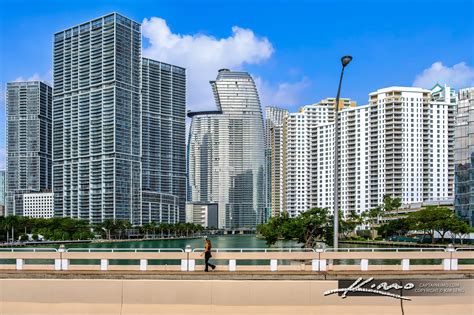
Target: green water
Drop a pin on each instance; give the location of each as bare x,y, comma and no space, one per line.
230,241
220,242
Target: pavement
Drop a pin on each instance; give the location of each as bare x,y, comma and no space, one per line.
235,275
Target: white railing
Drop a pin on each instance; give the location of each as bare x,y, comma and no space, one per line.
257,250
388,249
128,250
237,259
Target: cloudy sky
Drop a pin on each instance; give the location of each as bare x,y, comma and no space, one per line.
292,48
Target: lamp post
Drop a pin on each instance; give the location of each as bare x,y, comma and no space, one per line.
344,61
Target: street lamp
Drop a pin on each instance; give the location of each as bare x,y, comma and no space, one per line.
344,61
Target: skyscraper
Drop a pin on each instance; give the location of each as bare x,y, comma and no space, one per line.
2,193
400,144
299,158
163,142
464,156
274,175
97,120
119,127
226,152
28,142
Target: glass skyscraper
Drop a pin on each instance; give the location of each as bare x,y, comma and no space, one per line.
226,152
28,142
119,127
464,156
163,142
97,118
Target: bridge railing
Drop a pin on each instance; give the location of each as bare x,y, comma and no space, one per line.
238,259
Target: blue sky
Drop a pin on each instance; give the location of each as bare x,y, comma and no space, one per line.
292,48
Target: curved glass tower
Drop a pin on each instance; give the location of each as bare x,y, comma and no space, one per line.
226,152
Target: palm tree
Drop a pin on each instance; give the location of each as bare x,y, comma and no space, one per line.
11,222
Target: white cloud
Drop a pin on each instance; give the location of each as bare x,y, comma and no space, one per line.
460,75
284,94
47,77
202,55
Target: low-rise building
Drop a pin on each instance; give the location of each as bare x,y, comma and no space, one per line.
205,214
38,205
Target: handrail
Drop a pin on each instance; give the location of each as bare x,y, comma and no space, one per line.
464,249
28,249
257,250
126,250
388,249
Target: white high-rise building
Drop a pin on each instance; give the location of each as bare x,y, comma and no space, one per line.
400,144
412,142
300,135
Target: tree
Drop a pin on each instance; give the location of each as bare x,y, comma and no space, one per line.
460,228
306,228
433,219
372,217
397,227
348,225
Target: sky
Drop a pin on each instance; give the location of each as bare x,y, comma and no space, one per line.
291,48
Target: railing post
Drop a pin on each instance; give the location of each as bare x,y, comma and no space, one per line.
143,264
64,264
57,264
323,264
104,264
450,263
273,265
19,263
405,264
232,265
364,264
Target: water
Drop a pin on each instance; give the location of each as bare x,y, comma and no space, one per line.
221,242
231,241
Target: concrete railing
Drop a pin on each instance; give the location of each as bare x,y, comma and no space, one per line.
238,259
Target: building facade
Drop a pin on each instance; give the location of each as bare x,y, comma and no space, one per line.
119,131
2,193
400,144
204,214
226,152
163,142
464,156
274,174
38,205
301,143
28,142
412,137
